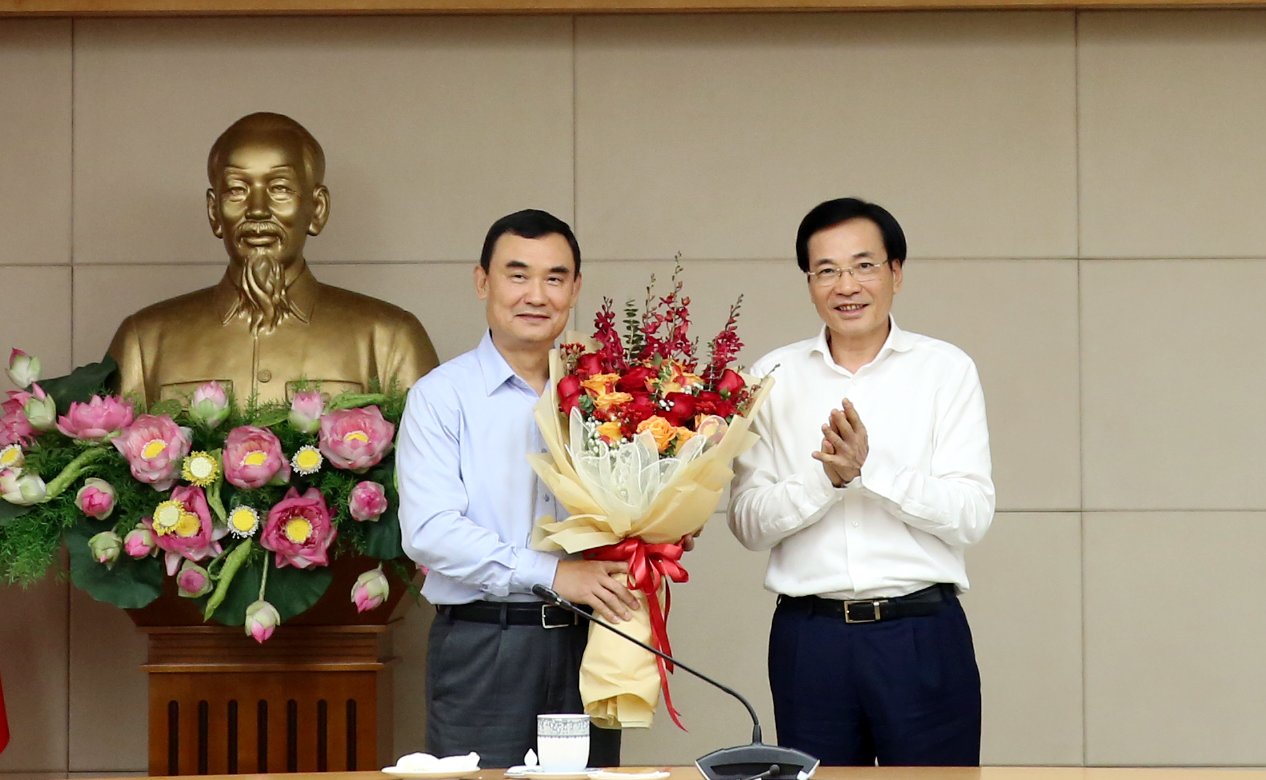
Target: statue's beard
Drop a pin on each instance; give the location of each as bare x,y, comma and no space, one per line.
263,297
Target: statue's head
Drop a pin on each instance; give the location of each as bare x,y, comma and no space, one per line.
266,195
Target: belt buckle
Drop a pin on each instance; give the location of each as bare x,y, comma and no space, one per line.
874,617
545,624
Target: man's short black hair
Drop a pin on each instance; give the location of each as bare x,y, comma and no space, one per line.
528,223
833,212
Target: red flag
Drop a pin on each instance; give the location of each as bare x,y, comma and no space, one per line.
4,720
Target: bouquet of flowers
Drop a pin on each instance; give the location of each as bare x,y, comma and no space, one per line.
640,435
243,507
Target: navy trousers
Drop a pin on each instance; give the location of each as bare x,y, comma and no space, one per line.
895,692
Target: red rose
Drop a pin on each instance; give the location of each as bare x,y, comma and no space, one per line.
681,407
589,364
709,402
730,382
635,379
640,408
568,393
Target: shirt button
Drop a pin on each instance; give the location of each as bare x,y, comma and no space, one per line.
856,524
548,499
265,375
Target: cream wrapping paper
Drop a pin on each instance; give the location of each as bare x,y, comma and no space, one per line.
618,496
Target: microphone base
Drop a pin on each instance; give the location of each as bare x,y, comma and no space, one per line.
744,761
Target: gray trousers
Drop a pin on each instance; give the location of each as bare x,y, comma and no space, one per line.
485,685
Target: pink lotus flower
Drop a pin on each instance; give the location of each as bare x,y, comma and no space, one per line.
367,502
23,368
193,581
371,590
192,536
253,458
299,530
99,419
40,409
15,428
355,439
96,498
261,619
105,547
210,405
306,409
154,447
139,542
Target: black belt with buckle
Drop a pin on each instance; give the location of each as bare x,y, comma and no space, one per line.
512,613
918,604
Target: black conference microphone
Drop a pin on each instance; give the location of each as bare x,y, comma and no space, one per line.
756,761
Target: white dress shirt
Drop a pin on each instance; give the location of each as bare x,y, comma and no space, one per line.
468,498
924,492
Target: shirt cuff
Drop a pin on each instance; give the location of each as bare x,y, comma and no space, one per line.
879,475
819,493
534,568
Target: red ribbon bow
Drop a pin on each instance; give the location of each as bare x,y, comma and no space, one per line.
649,565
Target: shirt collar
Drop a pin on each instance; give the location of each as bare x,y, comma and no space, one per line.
496,371
898,341
303,292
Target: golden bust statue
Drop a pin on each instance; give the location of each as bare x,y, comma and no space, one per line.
268,322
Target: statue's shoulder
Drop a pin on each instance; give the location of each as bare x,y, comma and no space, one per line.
351,303
179,308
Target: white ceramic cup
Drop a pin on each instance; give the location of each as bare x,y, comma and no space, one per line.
562,742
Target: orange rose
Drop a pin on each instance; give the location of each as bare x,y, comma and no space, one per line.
610,432
683,435
663,431
605,401
598,384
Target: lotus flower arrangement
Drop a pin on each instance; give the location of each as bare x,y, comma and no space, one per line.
242,508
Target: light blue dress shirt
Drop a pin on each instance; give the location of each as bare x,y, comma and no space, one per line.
468,498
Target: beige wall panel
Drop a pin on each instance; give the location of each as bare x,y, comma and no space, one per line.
1025,610
441,295
1018,321
720,626
432,127
35,141
1173,643
715,134
106,653
1170,116
36,319
1172,411
104,295
33,648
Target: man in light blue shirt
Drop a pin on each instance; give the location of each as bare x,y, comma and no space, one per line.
468,501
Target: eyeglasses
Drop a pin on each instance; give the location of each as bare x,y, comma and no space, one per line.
864,271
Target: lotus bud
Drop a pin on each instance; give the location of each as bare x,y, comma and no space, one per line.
105,547
139,542
261,619
40,409
306,409
370,590
209,406
193,580
20,488
23,368
367,501
96,498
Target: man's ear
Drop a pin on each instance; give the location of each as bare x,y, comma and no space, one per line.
213,214
481,282
320,209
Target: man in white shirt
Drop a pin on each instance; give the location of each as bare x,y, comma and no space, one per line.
871,476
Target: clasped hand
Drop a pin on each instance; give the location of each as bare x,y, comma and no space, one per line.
844,445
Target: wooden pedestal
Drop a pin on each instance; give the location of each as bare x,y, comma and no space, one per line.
311,698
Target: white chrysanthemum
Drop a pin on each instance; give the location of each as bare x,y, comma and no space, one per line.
243,521
307,460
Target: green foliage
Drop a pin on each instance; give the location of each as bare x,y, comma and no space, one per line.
128,584
292,591
81,384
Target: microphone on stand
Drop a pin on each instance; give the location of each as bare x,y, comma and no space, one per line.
756,761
